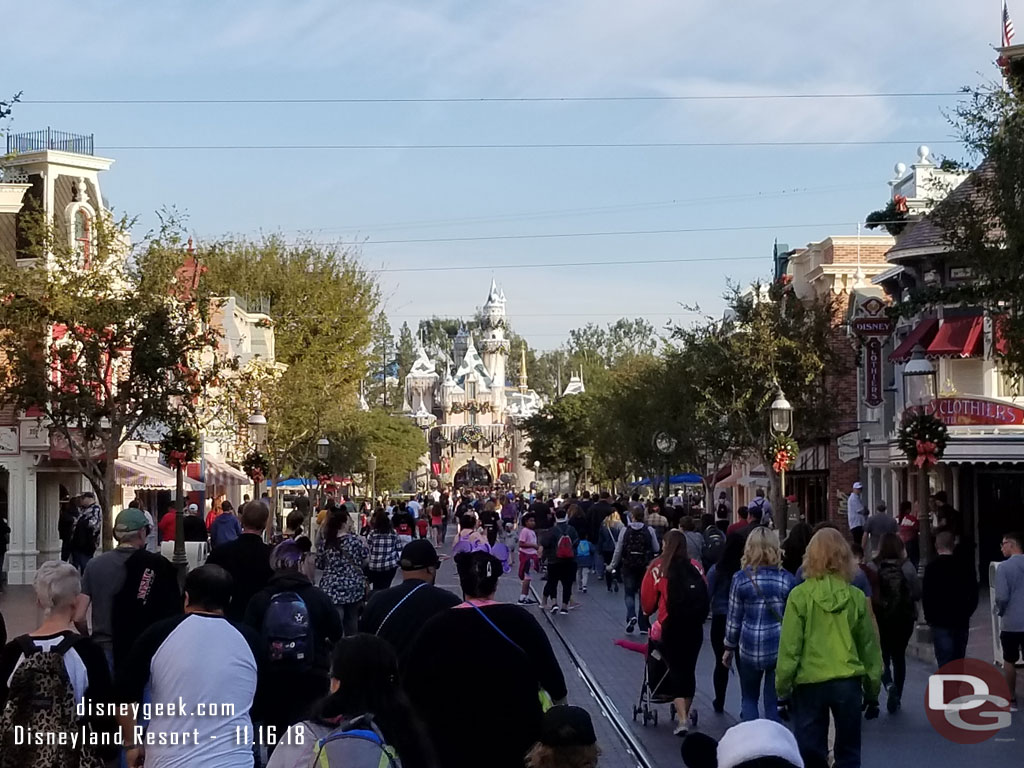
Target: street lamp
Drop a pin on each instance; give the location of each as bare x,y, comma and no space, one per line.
782,424
371,467
782,414
258,433
665,444
919,390
588,464
323,449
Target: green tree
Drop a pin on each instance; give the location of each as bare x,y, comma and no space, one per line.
105,343
320,301
560,434
397,443
382,372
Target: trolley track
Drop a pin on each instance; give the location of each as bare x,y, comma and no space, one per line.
619,724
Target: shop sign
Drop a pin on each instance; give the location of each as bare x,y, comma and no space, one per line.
975,411
873,372
34,435
848,446
873,326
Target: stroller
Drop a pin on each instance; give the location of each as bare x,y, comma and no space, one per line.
656,687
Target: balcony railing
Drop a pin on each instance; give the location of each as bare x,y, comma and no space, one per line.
40,141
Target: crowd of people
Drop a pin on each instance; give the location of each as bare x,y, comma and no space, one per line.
296,649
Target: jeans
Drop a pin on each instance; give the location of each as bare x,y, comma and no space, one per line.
811,705
631,587
721,674
80,560
750,691
950,644
894,640
349,614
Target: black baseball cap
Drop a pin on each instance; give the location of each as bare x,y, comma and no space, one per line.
567,726
419,554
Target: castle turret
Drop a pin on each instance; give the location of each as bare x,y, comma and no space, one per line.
495,345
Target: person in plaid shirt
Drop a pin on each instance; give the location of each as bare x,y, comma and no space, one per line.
385,552
757,602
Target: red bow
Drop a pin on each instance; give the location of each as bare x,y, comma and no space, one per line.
926,454
178,458
257,475
901,203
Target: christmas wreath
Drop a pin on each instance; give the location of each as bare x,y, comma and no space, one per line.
470,434
255,465
179,447
783,453
923,438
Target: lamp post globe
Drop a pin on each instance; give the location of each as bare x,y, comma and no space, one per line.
781,414
258,428
323,448
919,390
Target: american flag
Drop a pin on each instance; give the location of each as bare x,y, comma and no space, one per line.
1007,26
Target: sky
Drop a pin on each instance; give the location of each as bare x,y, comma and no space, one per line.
482,209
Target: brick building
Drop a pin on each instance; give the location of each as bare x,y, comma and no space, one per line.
841,266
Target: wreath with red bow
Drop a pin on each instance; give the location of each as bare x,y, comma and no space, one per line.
256,466
923,438
180,446
782,453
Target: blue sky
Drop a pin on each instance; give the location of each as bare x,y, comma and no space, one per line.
499,48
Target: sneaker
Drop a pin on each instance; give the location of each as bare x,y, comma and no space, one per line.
645,630
554,609
892,700
681,729
630,626
564,611
527,600
583,590
1013,705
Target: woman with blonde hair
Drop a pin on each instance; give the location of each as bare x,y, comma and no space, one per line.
757,601
674,587
829,658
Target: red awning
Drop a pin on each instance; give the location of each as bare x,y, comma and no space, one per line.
958,337
922,334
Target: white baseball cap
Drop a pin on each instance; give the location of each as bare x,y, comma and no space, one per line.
193,508
857,486
758,738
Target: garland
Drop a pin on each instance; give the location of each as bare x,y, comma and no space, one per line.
180,446
923,438
893,218
256,466
472,407
783,453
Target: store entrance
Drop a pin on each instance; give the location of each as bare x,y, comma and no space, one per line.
1000,509
811,491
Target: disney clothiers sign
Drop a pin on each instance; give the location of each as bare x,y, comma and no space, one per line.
975,411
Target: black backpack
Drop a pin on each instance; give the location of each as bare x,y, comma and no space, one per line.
287,631
894,603
714,543
637,549
688,598
149,594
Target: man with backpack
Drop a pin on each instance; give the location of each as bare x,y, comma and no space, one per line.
225,527
298,625
85,536
559,552
714,543
127,588
760,510
636,547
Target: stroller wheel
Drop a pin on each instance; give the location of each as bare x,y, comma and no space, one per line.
693,717
672,712
655,717
636,711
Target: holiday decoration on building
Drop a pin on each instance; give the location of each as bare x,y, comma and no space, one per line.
179,447
923,438
783,453
255,465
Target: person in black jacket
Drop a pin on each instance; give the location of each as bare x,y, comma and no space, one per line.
290,686
246,558
950,597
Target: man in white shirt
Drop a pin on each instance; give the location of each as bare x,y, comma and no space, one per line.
202,671
856,515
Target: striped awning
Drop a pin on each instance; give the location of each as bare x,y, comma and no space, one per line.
142,473
219,472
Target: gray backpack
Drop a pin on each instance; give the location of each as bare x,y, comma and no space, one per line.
356,744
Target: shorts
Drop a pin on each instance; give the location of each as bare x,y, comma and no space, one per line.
1013,646
525,564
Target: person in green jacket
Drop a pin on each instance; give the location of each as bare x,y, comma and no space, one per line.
829,656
